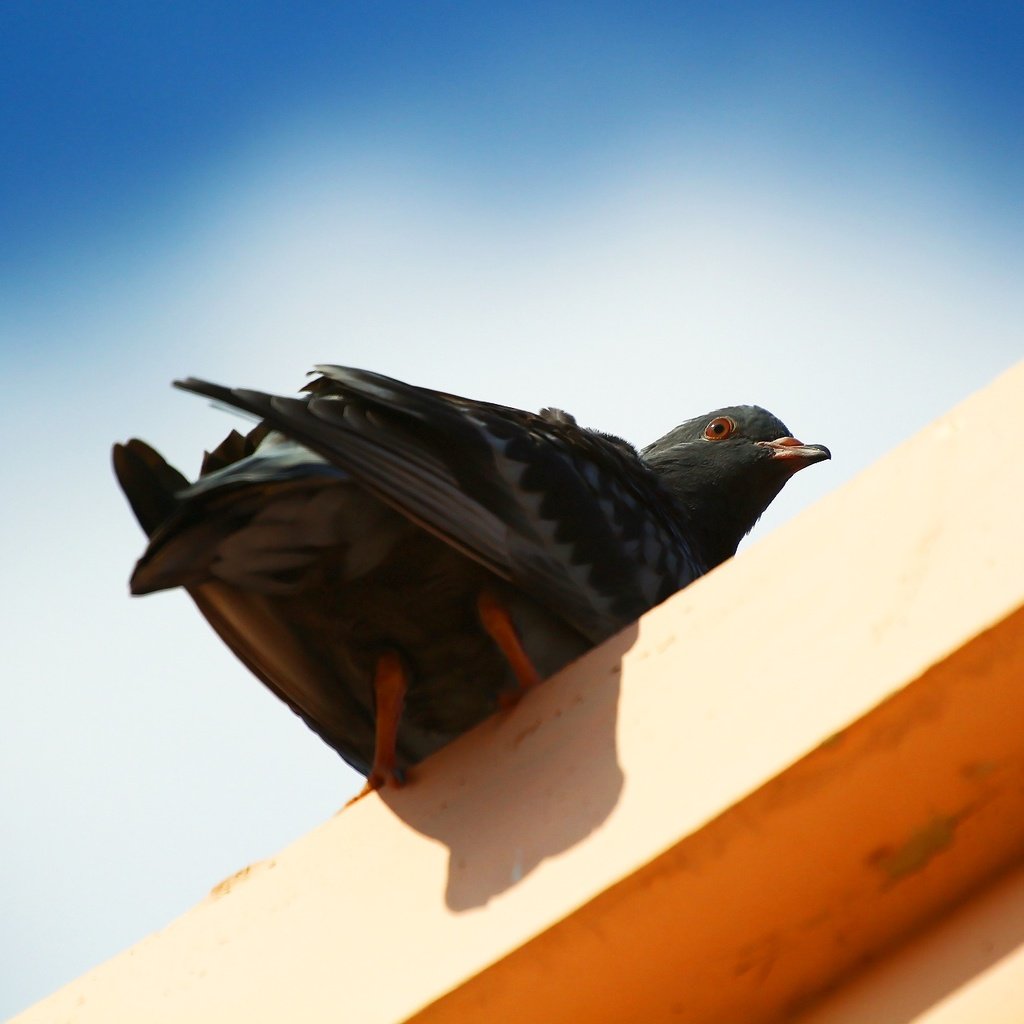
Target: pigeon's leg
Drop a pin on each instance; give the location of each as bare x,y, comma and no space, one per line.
500,628
389,686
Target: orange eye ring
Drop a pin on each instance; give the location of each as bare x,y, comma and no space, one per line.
719,428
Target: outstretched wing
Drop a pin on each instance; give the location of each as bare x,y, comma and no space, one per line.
571,516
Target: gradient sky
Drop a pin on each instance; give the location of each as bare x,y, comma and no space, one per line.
634,211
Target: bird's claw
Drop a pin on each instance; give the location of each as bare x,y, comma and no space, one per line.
394,777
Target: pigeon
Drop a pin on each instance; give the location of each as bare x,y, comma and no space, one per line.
397,563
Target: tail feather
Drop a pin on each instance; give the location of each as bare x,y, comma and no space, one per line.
150,484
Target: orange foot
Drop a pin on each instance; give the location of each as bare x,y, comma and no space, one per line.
396,778
499,627
389,687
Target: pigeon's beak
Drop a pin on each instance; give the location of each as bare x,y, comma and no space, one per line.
795,452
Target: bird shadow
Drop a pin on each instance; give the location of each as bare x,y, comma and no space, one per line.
525,785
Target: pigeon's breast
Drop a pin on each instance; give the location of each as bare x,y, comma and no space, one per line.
353,579
421,602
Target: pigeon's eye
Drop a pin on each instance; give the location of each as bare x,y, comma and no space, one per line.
719,428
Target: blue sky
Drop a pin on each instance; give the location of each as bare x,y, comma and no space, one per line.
116,115
638,212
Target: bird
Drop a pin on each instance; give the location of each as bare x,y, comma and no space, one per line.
397,563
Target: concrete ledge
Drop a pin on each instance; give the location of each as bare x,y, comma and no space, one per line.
771,778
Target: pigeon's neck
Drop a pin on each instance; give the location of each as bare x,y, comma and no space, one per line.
716,516
712,525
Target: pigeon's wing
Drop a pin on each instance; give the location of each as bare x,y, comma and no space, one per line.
571,516
258,627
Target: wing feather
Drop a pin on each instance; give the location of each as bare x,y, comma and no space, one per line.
556,509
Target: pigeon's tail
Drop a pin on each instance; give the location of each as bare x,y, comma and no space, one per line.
266,636
152,488
148,482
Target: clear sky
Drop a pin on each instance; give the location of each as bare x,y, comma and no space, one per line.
634,211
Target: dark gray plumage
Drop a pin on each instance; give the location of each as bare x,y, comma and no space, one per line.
367,516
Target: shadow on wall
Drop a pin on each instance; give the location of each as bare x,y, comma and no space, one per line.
489,821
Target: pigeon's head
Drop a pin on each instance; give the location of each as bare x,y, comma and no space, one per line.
725,468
